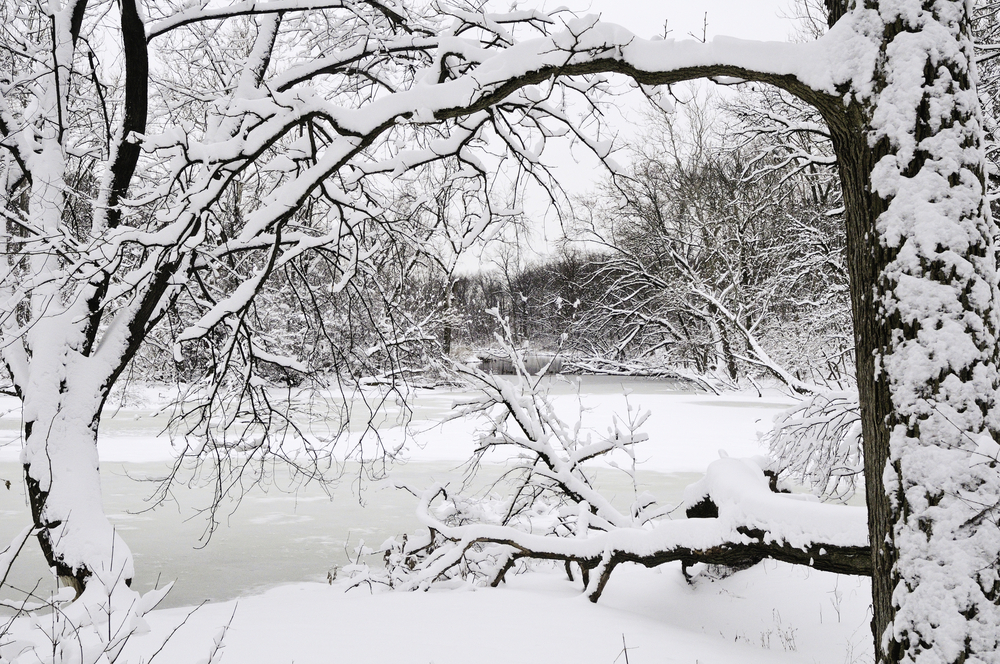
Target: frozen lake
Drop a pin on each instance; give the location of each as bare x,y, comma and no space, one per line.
277,537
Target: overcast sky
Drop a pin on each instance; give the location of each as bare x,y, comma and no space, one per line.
747,19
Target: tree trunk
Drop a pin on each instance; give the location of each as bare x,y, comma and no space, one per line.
449,297
865,261
61,415
922,264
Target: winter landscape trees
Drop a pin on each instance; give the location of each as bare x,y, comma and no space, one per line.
130,199
718,261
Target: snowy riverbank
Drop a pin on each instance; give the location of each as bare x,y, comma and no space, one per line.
773,612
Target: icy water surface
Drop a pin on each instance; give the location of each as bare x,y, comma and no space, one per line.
277,536
273,538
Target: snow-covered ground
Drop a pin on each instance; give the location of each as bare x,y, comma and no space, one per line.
771,613
283,545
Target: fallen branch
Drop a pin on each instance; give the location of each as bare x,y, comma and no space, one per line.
751,523
553,511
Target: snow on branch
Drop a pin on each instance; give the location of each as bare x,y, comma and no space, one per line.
553,512
254,8
748,523
272,146
818,442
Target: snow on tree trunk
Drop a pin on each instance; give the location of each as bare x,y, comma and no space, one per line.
934,325
62,393
61,472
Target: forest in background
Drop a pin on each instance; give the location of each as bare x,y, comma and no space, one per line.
716,254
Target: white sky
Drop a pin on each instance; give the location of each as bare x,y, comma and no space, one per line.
764,20
748,19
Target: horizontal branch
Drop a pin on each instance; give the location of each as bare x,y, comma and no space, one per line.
742,522
254,8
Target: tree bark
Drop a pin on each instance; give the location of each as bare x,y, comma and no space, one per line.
865,261
126,152
852,560
921,258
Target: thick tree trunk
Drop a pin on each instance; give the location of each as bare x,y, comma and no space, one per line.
865,261
76,537
924,298
61,414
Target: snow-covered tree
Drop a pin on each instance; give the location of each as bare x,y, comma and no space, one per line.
164,162
100,247
716,266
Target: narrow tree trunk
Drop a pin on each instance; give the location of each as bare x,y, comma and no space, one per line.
449,297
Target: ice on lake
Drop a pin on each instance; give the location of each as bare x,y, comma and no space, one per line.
291,532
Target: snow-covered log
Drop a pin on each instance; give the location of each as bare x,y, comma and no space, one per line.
750,523
552,511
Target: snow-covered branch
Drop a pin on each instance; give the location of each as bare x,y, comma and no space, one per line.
552,511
